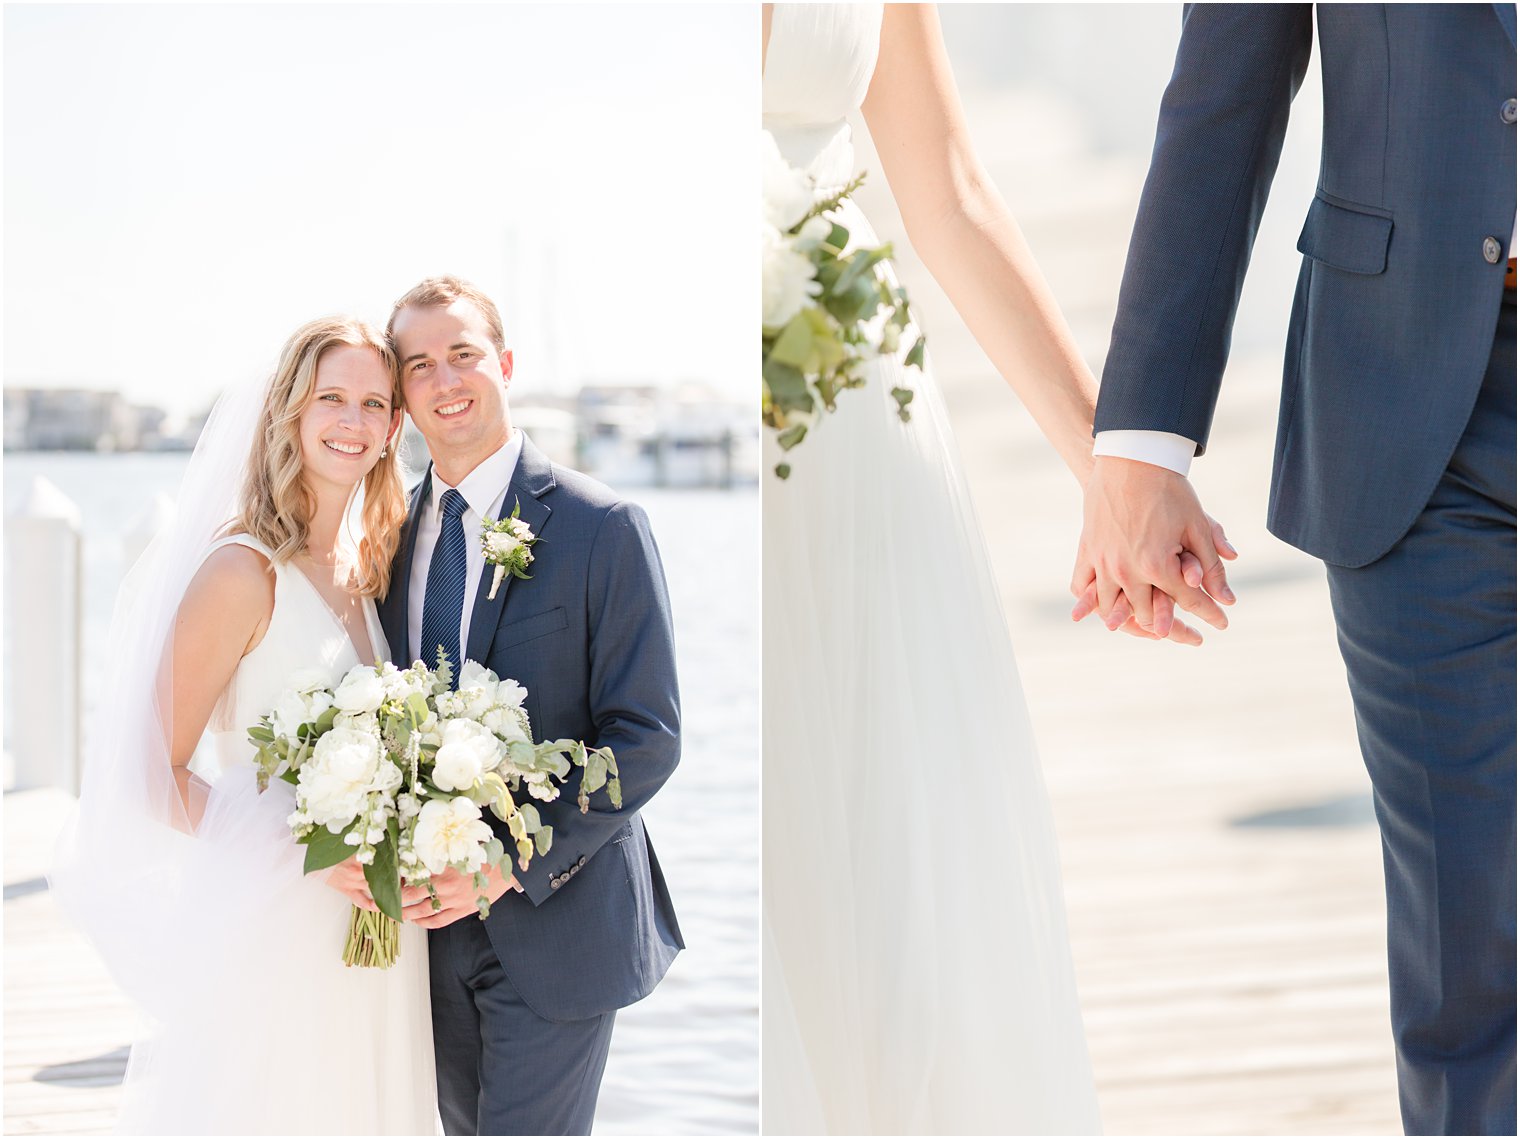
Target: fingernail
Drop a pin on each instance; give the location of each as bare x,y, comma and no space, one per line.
1227,593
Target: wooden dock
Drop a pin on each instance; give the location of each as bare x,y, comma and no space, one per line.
1222,864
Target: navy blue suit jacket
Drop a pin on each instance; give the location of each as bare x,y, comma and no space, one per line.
589,636
1397,301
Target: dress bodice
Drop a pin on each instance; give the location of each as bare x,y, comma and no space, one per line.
818,65
304,633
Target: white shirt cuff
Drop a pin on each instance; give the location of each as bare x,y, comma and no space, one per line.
1159,448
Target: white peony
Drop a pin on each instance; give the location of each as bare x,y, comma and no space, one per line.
358,721
310,679
506,723
476,675
332,785
387,779
359,691
786,279
451,832
786,193
468,751
477,701
295,707
510,694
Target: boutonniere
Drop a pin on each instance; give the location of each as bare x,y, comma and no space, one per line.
505,543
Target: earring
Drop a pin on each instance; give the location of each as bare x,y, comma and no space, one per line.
384,451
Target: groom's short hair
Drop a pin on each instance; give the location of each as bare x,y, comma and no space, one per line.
440,292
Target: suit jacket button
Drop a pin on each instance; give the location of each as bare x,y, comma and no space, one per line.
1507,112
1492,250
574,870
581,863
554,883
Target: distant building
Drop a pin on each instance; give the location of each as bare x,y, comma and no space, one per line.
628,435
83,419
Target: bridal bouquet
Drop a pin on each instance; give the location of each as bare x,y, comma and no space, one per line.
392,767
825,313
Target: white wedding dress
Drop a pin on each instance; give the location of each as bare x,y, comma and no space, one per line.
273,1034
916,971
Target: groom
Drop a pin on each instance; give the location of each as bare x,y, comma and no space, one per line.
1395,458
523,1002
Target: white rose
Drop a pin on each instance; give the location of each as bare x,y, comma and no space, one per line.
468,751
786,193
520,529
450,831
500,544
333,783
786,279
360,691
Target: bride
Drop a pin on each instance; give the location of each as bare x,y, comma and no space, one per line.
185,876
917,977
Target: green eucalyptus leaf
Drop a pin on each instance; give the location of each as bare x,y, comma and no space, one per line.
795,342
915,357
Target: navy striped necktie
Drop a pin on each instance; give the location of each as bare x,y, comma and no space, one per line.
443,600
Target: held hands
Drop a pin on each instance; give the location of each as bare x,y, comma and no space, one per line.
1147,547
456,892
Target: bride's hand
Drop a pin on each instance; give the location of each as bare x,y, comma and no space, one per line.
1162,605
348,878
456,892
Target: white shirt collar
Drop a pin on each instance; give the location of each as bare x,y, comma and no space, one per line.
483,487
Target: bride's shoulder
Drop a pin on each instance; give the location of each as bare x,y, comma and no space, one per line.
237,573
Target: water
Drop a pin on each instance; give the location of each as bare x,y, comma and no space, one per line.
686,1059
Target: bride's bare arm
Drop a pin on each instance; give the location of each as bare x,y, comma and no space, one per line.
222,617
962,229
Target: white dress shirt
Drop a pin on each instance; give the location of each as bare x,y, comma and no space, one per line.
484,489
1160,448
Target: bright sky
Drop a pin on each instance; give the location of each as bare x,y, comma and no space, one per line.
186,184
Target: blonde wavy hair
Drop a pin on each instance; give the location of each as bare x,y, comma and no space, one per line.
276,504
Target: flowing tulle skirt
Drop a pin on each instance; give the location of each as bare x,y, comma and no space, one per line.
917,976
271,1034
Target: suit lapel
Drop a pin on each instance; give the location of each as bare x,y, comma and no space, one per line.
532,479
394,615
1506,14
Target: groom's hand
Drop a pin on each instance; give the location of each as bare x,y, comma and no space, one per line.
456,892
1146,541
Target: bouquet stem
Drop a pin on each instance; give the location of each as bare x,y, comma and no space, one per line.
374,940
